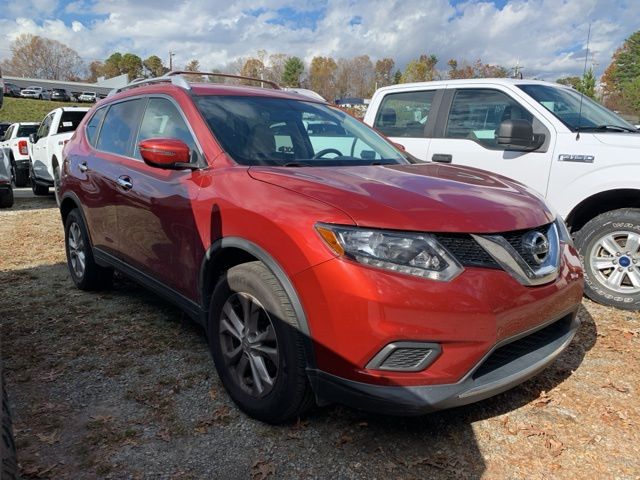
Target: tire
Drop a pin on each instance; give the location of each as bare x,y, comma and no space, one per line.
7,443
612,271
271,344
56,181
85,272
21,177
6,198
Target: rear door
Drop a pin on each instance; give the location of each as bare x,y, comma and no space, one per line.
466,134
408,118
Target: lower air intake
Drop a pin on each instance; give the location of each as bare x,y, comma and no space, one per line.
405,356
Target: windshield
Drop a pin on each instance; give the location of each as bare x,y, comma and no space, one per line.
564,103
276,131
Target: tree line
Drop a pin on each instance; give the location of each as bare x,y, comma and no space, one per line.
37,57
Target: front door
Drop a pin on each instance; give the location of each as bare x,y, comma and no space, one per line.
38,151
468,136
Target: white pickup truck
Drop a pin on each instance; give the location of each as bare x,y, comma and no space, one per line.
45,146
14,145
582,157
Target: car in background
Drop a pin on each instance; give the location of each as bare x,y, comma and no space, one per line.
32,92
323,267
90,97
60,95
14,144
11,90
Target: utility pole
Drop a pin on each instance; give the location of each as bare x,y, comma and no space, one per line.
171,55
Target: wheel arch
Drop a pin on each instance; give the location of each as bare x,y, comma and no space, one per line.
602,202
228,252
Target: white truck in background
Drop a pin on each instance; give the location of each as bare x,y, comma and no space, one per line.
14,145
45,146
582,157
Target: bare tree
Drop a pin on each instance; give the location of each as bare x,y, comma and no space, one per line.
322,77
33,56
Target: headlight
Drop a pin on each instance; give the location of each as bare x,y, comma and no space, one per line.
417,254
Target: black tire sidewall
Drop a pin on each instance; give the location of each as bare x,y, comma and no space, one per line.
586,238
273,407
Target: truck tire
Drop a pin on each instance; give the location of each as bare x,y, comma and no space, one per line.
21,178
6,198
7,444
609,246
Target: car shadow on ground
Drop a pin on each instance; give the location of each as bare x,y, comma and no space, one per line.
103,345
24,199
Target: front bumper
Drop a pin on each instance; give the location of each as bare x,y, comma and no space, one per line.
508,364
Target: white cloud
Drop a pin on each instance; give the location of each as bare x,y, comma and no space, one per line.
548,37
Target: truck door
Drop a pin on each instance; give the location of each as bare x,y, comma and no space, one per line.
466,135
38,152
408,118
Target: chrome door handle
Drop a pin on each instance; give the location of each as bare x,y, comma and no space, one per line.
83,167
125,183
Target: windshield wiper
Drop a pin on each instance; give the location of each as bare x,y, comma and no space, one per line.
605,128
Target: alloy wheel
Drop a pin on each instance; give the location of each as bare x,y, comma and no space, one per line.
249,344
615,261
77,254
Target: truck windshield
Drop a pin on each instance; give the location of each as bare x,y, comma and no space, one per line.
292,133
564,103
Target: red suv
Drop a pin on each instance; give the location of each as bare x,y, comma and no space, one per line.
324,266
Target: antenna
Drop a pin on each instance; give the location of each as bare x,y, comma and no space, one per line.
584,72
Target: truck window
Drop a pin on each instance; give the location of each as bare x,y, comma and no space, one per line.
404,114
69,120
43,131
476,114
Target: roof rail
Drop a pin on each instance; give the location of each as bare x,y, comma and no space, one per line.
273,85
138,82
176,78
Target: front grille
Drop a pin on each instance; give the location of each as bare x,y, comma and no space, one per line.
466,250
405,358
523,346
515,240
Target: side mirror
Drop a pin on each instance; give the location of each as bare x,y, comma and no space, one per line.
167,153
33,138
517,134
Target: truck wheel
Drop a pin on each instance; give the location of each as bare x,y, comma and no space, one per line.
609,246
85,272
256,345
21,177
6,198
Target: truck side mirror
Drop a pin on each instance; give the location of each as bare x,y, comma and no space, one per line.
517,134
33,138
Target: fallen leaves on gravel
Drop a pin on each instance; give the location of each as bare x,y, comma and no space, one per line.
262,469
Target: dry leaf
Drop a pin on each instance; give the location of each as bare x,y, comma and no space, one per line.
554,445
164,435
344,438
619,388
212,393
261,469
49,439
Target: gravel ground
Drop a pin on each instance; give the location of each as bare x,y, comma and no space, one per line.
121,385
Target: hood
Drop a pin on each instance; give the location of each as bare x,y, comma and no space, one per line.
428,197
626,140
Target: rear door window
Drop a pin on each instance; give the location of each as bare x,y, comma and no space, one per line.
93,127
120,127
405,114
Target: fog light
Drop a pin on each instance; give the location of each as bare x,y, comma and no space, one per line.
405,356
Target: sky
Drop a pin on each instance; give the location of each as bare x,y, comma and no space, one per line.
546,37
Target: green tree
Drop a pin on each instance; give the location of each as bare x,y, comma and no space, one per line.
574,82
397,77
587,84
293,70
383,72
631,95
131,64
423,69
111,67
154,65
619,80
